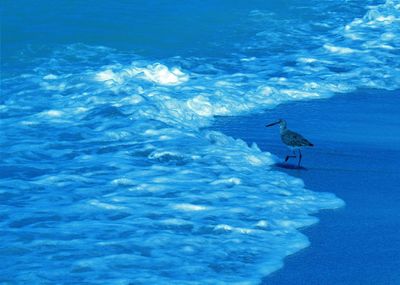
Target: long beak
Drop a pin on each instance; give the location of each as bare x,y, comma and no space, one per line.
272,124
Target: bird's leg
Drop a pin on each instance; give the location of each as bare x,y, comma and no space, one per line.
289,156
299,158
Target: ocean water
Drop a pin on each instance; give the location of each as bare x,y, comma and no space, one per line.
109,171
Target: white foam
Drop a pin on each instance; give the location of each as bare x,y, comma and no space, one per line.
29,123
50,77
160,74
106,205
123,181
108,76
307,60
189,207
201,106
53,113
156,73
262,224
340,50
80,110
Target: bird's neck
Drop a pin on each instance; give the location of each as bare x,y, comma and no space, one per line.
282,129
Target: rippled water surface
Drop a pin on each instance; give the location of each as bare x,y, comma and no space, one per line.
108,171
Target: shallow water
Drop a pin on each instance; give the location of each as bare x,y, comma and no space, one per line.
109,173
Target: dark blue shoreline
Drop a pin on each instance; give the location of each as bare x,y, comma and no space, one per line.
357,157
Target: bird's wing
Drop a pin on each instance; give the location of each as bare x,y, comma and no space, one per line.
294,139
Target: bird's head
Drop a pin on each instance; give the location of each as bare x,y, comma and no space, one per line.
281,122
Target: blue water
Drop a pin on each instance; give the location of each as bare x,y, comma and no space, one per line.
109,172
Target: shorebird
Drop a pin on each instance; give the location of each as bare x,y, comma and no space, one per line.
292,139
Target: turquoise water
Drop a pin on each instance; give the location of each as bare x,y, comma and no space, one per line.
109,173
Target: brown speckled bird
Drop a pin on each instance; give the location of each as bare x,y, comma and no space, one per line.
292,139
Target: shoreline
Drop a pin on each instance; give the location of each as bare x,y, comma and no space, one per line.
356,157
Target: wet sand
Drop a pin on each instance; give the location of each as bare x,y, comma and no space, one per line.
357,157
